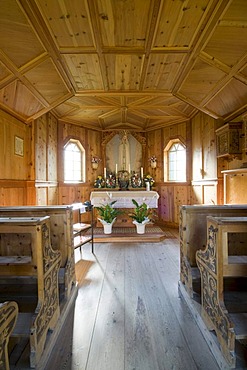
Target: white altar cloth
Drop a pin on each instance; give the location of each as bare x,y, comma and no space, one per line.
124,198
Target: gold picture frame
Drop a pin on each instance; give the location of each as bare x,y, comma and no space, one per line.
19,146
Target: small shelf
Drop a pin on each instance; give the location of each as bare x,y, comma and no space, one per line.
81,240
80,228
77,228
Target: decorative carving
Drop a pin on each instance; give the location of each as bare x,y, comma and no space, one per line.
214,311
47,311
229,140
8,318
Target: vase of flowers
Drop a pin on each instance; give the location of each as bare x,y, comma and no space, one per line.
141,216
95,162
153,161
149,181
107,216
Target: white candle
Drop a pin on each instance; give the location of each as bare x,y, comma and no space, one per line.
141,172
129,167
105,172
116,168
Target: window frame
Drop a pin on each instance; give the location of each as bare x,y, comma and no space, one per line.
166,160
83,161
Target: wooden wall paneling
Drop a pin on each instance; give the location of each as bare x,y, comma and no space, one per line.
13,195
41,196
174,131
52,148
69,130
235,186
41,148
95,148
209,148
67,195
181,197
196,148
52,195
210,194
46,139
197,194
155,147
166,202
14,165
31,194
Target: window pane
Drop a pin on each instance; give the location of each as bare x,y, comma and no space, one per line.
177,163
73,161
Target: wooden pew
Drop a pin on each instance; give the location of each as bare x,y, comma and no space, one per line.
218,261
193,236
25,251
61,226
8,318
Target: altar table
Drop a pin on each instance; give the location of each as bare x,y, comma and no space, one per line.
124,198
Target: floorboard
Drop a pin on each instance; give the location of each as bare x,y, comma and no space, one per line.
128,314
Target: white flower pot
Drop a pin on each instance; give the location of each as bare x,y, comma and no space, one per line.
107,227
140,227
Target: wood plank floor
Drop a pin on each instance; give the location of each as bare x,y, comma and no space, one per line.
128,314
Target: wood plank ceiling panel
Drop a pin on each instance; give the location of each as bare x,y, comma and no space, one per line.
139,64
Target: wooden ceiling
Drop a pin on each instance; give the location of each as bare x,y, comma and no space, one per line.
123,64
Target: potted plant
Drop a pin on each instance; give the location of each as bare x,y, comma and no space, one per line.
107,216
141,216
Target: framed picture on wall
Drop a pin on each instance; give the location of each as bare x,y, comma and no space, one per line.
19,144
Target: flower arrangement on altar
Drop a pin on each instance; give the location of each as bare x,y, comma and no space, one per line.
148,178
136,181
99,182
110,181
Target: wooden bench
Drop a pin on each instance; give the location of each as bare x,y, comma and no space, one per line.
25,251
61,227
220,260
193,236
8,318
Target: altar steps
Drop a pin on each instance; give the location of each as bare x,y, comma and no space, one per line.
128,234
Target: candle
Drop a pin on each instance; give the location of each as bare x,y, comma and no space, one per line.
116,168
129,167
141,172
105,172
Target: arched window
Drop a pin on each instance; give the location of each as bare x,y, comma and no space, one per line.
175,161
74,161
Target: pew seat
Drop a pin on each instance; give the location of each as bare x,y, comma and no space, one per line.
218,262
26,249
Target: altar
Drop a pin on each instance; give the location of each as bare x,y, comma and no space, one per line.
124,198
124,201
